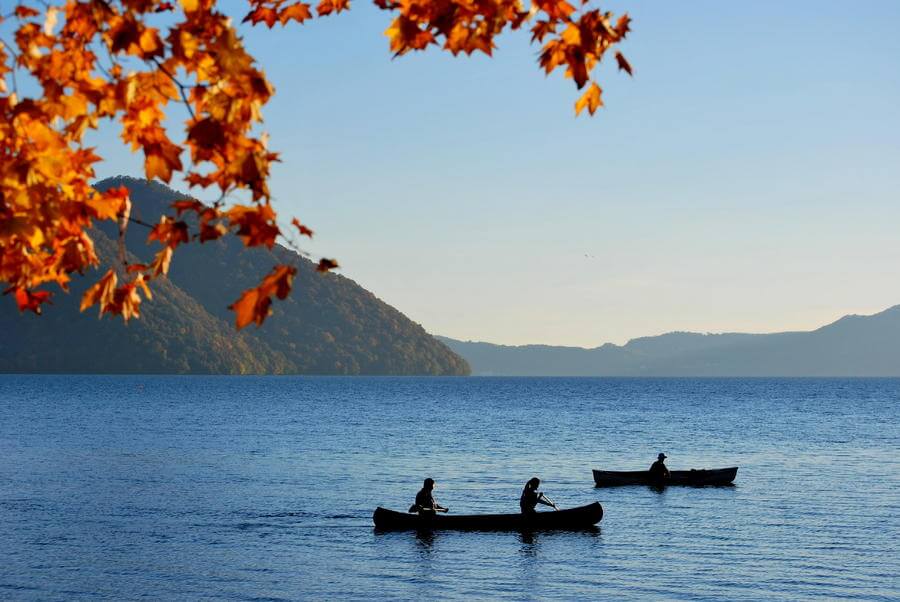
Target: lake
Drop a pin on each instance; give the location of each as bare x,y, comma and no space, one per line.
263,488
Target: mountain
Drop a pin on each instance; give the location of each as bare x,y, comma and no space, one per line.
851,346
328,325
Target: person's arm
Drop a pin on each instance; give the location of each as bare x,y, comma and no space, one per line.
435,507
543,500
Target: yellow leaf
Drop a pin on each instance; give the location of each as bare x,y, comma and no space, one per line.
160,263
108,205
155,166
572,35
142,282
35,237
590,100
50,20
103,292
189,44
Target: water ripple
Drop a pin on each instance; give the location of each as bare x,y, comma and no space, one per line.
263,488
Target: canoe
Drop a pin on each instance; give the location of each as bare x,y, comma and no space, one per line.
570,519
696,478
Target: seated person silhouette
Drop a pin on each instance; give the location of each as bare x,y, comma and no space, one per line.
658,470
425,504
531,497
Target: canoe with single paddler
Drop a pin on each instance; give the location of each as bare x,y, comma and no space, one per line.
696,478
570,519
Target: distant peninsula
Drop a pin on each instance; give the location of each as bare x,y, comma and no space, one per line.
328,325
851,346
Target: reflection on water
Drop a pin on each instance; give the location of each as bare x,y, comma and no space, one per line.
528,539
659,489
531,540
425,539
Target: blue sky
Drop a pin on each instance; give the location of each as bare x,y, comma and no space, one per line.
746,179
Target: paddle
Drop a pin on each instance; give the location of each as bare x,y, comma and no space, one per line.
414,508
551,502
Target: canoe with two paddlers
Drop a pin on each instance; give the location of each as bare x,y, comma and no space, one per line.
695,478
570,519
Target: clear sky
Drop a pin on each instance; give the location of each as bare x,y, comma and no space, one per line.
746,179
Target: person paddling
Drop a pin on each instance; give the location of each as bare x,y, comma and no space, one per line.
425,503
531,497
658,470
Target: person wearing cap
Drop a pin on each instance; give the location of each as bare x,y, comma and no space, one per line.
425,503
658,470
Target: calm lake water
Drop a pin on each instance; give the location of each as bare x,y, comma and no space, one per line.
263,488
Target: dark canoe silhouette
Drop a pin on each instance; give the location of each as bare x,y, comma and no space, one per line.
696,478
573,518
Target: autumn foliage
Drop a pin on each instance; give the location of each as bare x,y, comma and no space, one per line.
128,61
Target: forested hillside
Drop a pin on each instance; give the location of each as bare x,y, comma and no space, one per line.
329,324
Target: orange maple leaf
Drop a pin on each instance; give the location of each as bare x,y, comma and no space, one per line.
623,64
169,232
266,15
29,300
299,12
301,228
254,305
326,7
109,204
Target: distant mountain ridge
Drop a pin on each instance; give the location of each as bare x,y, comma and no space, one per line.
328,325
851,346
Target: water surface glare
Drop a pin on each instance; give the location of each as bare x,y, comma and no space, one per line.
243,488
